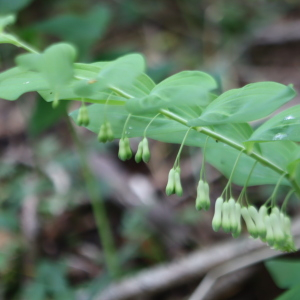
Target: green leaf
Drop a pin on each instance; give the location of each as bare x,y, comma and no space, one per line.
285,273
253,101
15,82
81,30
292,294
218,154
180,90
57,64
6,20
135,83
223,157
10,6
53,75
161,129
131,65
45,116
284,126
29,61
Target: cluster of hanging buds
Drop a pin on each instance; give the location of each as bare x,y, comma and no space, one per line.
174,183
273,228
105,133
83,116
270,225
228,216
143,152
202,200
125,152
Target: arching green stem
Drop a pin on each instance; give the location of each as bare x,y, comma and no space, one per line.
150,124
232,172
177,160
124,128
203,160
286,200
246,184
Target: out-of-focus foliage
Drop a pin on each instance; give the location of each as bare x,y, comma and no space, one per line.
174,36
285,273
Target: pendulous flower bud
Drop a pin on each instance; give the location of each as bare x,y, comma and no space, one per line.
109,132
270,235
122,150
279,236
178,187
201,196
238,230
258,220
170,188
225,217
139,152
217,219
146,152
102,136
206,191
249,222
127,148
232,215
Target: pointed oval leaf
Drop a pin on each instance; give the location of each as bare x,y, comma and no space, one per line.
131,66
180,90
252,102
284,126
57,64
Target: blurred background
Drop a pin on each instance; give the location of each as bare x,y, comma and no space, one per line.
49,242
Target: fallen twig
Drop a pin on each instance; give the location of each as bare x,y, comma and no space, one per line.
190,268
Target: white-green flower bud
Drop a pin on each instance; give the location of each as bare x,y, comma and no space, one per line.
102,136
178,187
277,230
139,153
122,150
170,188
127,148
263,211
238,230
201,197
225,217
270,235
146,151
289,245
83,117
217,219
207,198
276,211
109,132
258,220
249,222
287,225
232,215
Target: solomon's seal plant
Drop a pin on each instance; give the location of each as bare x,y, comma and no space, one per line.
119,101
